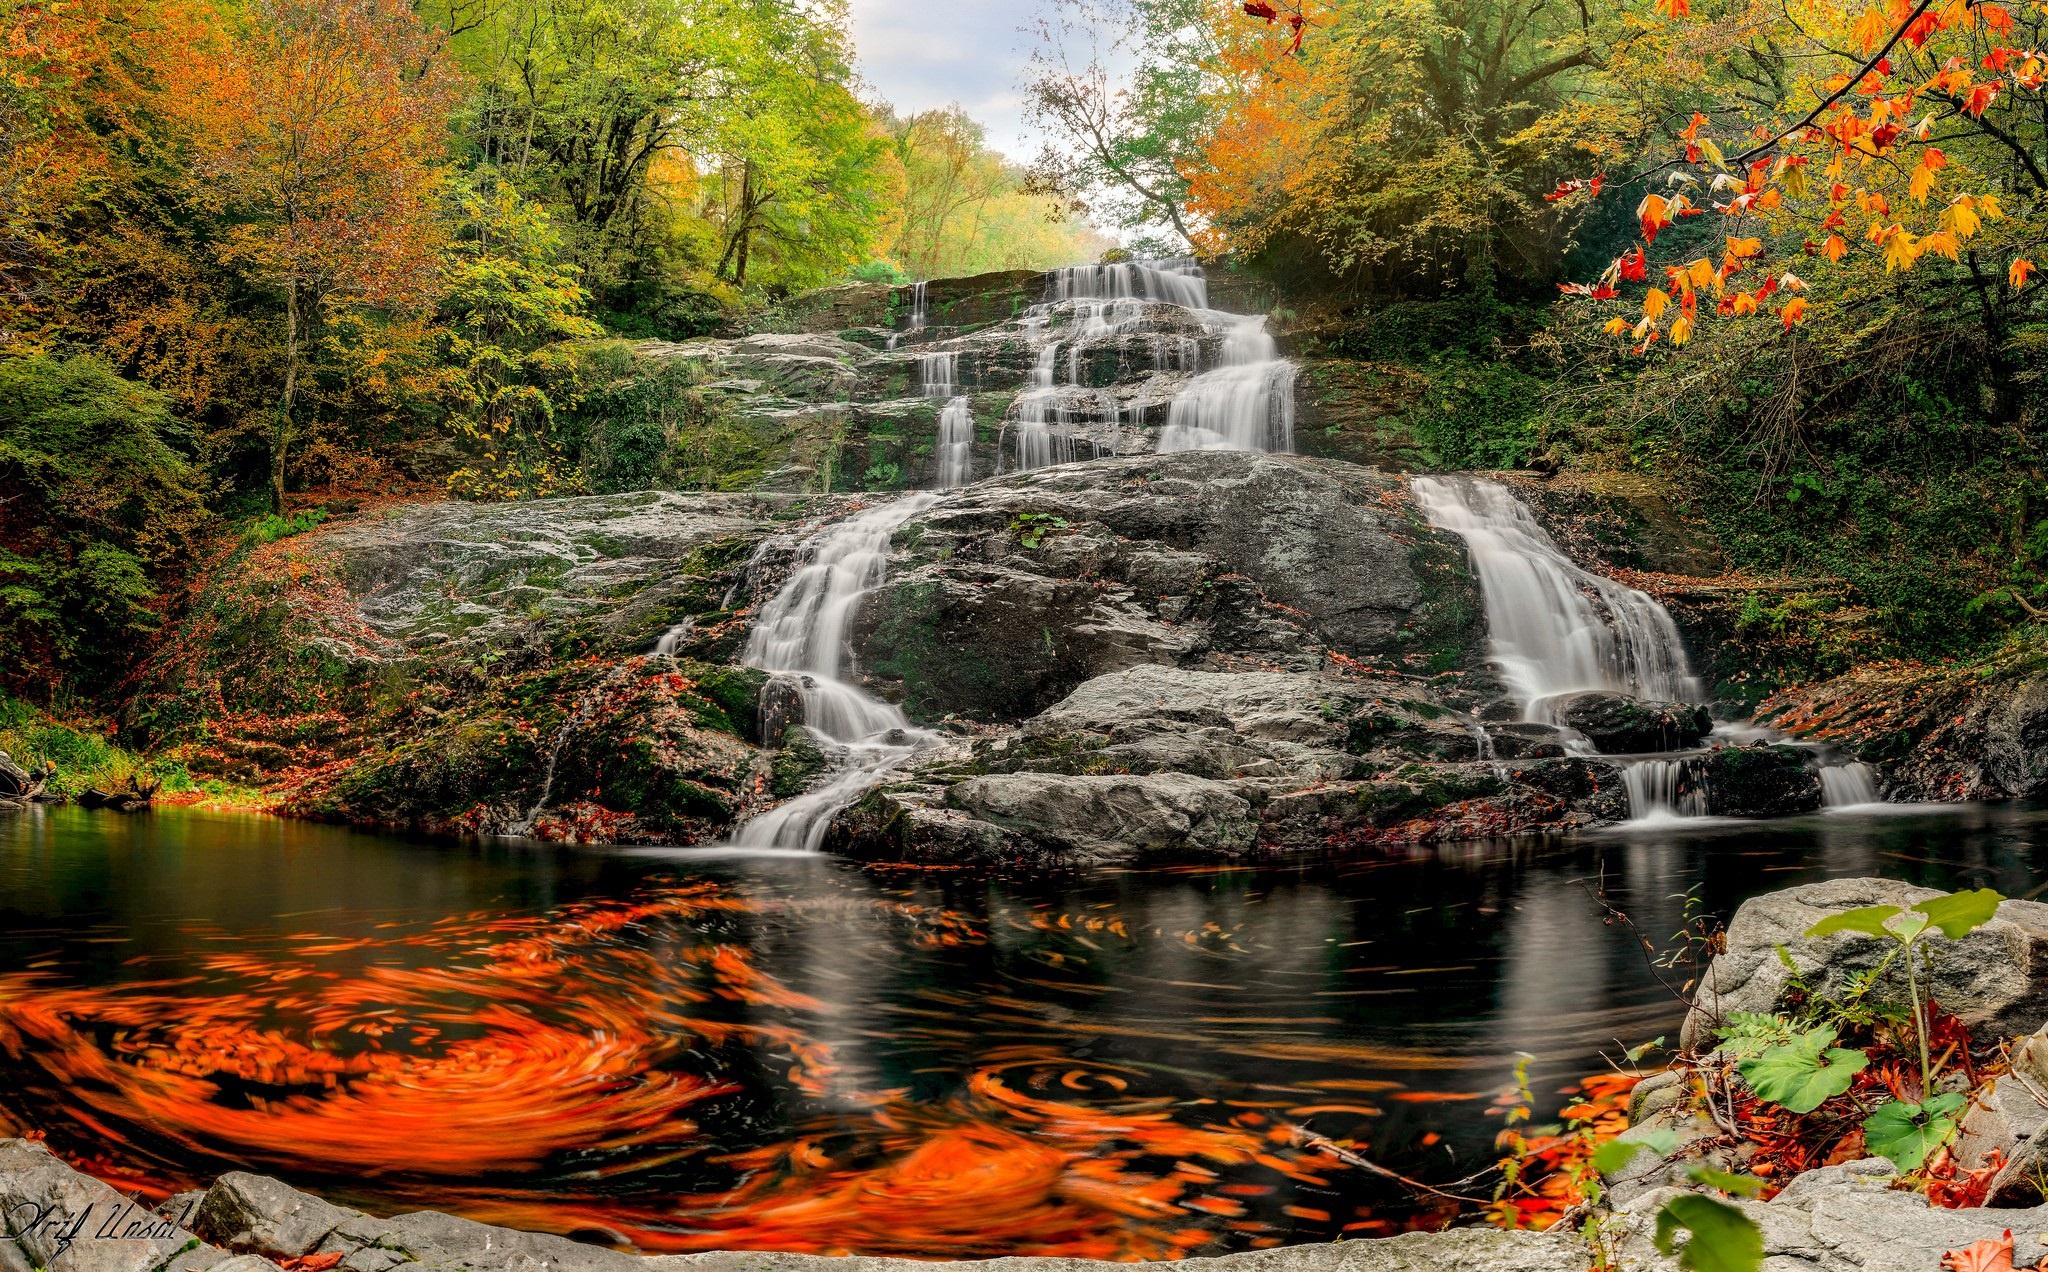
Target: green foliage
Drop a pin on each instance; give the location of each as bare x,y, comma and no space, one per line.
1954,914
1804,1073
97,507
1723,1238
1032,527
1750,1033
1908,1133
656,427
270,527
85,758
1614,1155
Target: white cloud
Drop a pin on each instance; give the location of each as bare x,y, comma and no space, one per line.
922,54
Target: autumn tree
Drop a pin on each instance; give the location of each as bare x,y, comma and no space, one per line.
316,134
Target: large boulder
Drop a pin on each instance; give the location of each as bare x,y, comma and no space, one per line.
1167,761
1760,781
1617,724
1995,979
1007,595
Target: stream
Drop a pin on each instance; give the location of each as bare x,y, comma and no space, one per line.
682,1050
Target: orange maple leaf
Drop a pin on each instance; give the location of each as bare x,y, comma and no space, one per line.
1988,1255
2017,275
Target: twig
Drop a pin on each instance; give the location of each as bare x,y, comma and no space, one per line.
1647,947
1303,1137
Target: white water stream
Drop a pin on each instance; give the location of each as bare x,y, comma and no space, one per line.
1556,629
801,635
1246,402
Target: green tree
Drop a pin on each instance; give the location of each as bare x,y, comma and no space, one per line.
507,301
97,509
800,179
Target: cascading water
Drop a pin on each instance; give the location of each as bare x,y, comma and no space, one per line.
1663,790
1556,628
1849,785
955,455
1245,403
801,635
938,374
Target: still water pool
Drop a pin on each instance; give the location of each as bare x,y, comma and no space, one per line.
682,1051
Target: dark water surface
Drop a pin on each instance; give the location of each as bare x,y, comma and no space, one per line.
688,1051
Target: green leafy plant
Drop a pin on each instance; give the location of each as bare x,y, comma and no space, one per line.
270,527
1750,1033
1723,1239
1032,527
1804,1073
1955,915
1901,1130
1908,1133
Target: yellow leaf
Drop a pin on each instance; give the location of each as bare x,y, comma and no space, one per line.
1702,271
1713,152
1960,219
1872,28
1988,205
1681,330
1615,326
1921,184
1941,243
1744,248
1835,248
1745,304
1899,250
1655,303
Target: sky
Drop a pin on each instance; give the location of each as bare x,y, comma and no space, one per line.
920,54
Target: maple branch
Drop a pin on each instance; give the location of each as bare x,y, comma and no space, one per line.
2001,136
1839,93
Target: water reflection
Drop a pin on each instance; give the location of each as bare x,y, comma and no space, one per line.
796,1052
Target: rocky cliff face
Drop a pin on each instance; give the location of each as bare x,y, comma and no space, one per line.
1208,652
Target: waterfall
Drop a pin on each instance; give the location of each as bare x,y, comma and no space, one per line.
801,634
938,374
1038,411
1665,790
918,312
1178,281
955,454
1555,628
1848,785
1244,403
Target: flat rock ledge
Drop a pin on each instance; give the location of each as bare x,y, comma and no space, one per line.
1841,1219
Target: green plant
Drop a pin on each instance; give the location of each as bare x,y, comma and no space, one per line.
1804,1073
1032,527
1903,1131
1749,1033
1723,1238
1907,1133
1955,915
270,527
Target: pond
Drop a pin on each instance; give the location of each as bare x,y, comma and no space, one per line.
687,1050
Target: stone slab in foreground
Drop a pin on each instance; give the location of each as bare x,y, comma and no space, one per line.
1840,1219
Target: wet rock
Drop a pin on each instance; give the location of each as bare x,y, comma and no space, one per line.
1005,597
2007,1119
1113,818
1995,979
262,1215
1760,781
1524,741
1292,727
1957,731
1620,725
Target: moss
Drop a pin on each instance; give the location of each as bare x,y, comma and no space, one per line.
735,691
795,764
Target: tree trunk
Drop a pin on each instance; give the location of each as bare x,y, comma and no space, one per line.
283,436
